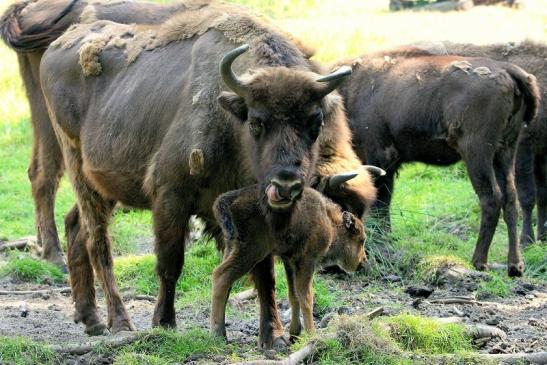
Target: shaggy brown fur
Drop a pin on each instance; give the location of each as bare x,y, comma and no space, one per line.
405,106
128,136
29,27
316,228
531,162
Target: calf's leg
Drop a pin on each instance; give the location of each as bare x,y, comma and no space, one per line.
234,266
524,178
304,292
295,327
381,208
504,169
271,328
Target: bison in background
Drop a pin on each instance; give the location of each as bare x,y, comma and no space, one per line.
315,229
531,161
407,106
130,103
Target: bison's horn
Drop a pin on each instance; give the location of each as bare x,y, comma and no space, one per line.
334,79
375,170
337,180
228,75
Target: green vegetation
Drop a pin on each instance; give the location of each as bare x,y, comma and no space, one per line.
22,266
24,351
535,257
402,339
429,268
497,285
160,346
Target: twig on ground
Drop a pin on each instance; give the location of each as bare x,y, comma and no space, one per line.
375,313
518,358
81,349
240,297
293,359
65,290
455,300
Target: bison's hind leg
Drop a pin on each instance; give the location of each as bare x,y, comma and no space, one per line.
525,186
540,172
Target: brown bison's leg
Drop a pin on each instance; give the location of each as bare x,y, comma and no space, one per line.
46,167
234,266
171,228
505,175
525,186
481,173
81,276
271,328
295,327
304,278
540,172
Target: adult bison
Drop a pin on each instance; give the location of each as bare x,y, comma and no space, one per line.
409,106
29,27
531,161
129,103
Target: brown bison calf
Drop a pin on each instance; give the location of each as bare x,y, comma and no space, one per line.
315,229
407,106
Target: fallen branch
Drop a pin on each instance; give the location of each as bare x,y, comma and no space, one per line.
20,244
65,290
293,359
84,348
454,300
518,358
477,331
375,313
240,297
149,298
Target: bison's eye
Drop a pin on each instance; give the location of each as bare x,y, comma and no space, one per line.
256,127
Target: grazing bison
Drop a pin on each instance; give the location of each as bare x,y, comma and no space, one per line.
28,27
531,161
315,228
129,103
408,106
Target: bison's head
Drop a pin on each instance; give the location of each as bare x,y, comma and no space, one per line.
283,110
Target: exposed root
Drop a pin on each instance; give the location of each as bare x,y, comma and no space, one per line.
375,313
455,300
518,358
243,296
149,298
123,339
65,290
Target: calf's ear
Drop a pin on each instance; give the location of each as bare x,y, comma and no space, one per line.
234,104
349,221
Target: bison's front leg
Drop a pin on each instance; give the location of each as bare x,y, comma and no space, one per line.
304,278
170,227
271,328
295,327
235,265
540,172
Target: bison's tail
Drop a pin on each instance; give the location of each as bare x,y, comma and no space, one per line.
528,86
41,33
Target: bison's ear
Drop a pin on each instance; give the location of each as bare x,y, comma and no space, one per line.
234,104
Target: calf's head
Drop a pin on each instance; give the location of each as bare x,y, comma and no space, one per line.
283,110
347,251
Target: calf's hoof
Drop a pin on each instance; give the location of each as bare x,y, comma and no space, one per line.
170,323
480,265
278,343
514,270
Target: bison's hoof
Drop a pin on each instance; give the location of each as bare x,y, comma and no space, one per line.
123,325
277,343
514,270
170,323
97,329
57,259
219,331
481,266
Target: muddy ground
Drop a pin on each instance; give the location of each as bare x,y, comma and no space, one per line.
522,316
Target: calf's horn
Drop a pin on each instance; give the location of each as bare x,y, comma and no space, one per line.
374,169
334,79
230,79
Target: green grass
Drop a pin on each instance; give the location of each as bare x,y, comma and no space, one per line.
390,341
497,285
429,268
160,346
22,266
24,351
535,257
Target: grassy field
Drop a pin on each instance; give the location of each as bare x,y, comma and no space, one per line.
435,211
